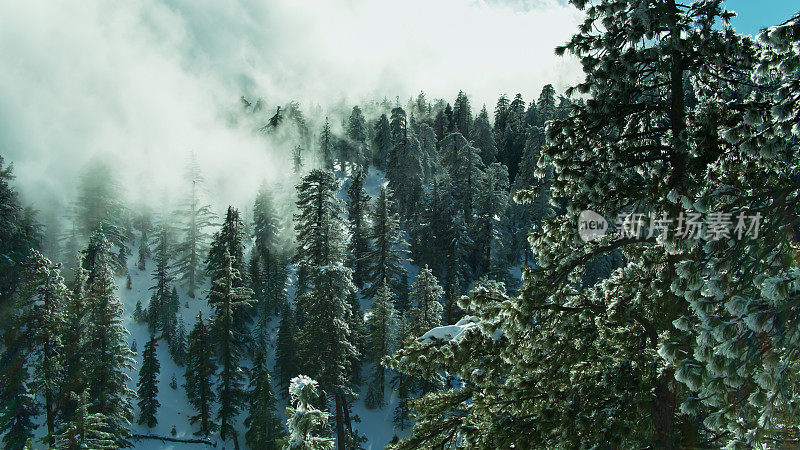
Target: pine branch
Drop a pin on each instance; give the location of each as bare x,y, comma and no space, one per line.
172,439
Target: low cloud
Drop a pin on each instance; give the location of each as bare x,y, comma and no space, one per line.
144,83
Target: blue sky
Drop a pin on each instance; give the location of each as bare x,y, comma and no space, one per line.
753,15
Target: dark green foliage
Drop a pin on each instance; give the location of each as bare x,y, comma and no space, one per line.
263,427
200,370
148,385
358,245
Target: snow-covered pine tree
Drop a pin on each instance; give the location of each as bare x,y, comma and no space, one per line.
200,370
106,342
675,325
228,298
465,167
305,421
196,218
19,233
263,427
40,307
404,164
177,345
148,385
162,308
462,114
85,430
286,349
514,136
382,320
230,239
426,298
325,340
357,209
388,248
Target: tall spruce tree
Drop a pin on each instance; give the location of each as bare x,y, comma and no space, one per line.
286,349
357,209
388,248
200,370
382,320
228,297
148,385
106,342
263,427
196,218
325,340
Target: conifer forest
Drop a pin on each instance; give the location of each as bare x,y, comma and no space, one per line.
263,224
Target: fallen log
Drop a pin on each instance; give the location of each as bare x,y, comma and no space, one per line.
172,439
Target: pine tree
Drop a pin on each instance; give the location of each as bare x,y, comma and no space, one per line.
388,248
200,369
144,224
482,137
148,385
162,308
85,430
18,406
19,233
106,342
262,425
404,164
462,114
325,340
305,421
326,146
41,304
382,142
490,233
426,297
286,349
196,217
227,299
357,209
177,345
381,323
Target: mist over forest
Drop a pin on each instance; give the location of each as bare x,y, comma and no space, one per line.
283,225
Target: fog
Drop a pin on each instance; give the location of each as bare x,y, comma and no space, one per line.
142,84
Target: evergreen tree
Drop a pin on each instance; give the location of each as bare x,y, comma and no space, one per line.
19,233
357,209
326,145
490,232
193,245
482,137
325,340
356,131
388,248
162,307
18,407
106,342
177,345
262,425
227,298
462,114
426,297
381,323
404,164
144,224
306,421
148,385
286,349
200,369
382,142
85,430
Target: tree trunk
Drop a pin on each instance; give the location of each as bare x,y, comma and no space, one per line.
340,443
664,414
